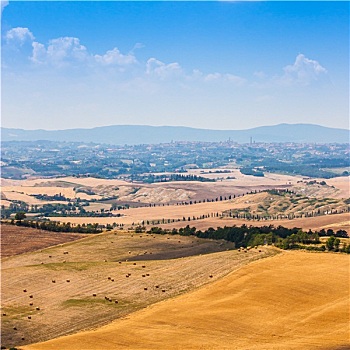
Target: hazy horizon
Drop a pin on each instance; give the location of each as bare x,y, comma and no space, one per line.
171,126
207,65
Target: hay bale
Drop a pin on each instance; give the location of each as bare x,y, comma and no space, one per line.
163,290
31,296
116,301
37,308
134,263
119,262
126,275
24,290
15,328
68,280
210,276
145,288
4,314
109,278
23,338
143,275
29,317
157,286
147,274
143,266
94,294
53,281
50,256
30,304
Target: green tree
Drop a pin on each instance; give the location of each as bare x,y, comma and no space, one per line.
20,215
330,243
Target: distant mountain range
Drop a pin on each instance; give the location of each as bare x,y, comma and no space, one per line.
142,134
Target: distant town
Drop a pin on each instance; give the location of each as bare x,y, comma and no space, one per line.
153,162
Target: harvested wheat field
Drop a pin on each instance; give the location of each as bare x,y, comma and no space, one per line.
17,240
294,300
85,284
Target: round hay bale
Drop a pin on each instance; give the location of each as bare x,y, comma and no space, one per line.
4,314
23,338
24,291
143,266
15,328
50,256
68,281
116,301
31,296
41,263
126,275
112,279
94,294
109,278
157,286
30,304
53,281
259,250
145,288
119,262
210,276
163,290
37,308
29,317
143,275
147,274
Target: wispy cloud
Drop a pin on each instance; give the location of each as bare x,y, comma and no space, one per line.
162,70
115,57
236,80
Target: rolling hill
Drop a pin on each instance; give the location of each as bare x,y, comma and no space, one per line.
143,134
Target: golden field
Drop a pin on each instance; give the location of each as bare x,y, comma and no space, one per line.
293,300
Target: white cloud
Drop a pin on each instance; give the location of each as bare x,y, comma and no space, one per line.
213,76
303,71
162,70
19,35
39,53
236,80
114,56
3,5
260,75
60,52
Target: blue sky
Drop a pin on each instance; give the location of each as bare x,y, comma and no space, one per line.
219,65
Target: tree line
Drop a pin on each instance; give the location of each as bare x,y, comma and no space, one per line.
282,237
